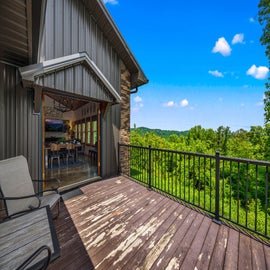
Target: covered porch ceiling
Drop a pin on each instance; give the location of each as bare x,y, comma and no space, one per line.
68,102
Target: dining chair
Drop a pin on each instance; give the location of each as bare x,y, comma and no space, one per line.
70,152
54,154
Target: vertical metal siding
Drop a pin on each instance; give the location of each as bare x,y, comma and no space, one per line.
77,80
110,138
19,133
69,29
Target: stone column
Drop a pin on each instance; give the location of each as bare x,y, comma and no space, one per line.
125,120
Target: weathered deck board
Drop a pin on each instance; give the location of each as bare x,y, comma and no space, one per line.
119,224
231,259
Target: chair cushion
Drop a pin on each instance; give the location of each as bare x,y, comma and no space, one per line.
15,181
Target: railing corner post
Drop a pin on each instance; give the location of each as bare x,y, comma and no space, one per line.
216,219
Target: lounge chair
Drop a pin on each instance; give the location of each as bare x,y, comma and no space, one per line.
17,188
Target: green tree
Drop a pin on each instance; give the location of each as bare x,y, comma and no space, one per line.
264,20
257,137
240,146
222,134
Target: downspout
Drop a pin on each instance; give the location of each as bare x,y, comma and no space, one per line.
134,91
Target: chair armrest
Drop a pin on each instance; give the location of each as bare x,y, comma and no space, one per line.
31,207
35,255
20,198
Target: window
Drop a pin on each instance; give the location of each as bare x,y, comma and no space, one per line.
86,130
83,133
94,132
79,129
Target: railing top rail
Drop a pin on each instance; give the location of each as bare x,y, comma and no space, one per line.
244,160
168,150
234,159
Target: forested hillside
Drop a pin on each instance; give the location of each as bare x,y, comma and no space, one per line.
250,144
159,132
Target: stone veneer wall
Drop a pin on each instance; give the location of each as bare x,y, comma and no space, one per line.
125,119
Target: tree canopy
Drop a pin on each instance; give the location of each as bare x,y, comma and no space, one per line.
252,144
264,20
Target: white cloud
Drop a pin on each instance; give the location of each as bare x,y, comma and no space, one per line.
252,20
138,99
138,103
222,47
238,38
112,2
215,73
172,103
169,104
259,73
184,103
137,107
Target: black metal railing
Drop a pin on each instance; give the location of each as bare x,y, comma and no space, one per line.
229,189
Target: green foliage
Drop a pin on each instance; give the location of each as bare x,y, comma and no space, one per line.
253,144
264,20
159,132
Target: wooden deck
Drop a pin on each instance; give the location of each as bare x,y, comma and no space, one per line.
119,224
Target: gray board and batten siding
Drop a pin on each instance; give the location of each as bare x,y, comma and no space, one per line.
20,128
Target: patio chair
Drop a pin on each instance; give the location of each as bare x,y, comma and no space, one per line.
17,188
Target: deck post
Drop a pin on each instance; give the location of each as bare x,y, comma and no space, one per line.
149,167
216,218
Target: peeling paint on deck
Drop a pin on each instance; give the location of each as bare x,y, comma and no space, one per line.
159,247
173,264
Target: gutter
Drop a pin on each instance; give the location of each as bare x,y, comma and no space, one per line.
134,91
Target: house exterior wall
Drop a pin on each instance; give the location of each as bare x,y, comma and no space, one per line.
20,128
70,28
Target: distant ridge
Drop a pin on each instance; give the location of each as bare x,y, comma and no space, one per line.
162,133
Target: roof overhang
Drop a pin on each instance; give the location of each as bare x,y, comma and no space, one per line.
30,74
23,21
111,31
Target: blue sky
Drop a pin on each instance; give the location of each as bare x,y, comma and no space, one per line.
203,59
